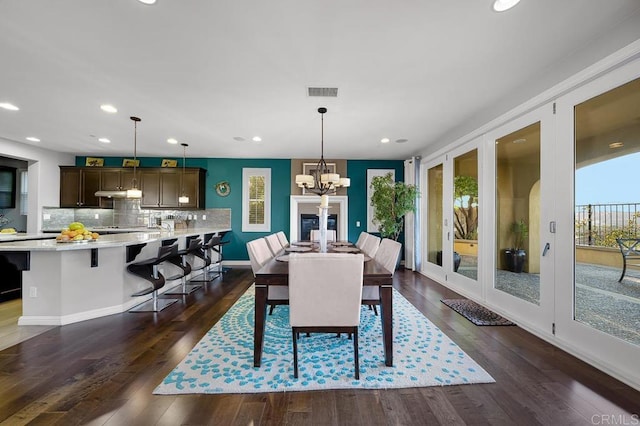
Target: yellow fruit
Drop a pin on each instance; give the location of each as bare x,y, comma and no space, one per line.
74,226
8,231
78,238
64,238
95,235
87,237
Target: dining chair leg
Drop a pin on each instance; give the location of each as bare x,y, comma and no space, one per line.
375,310
271,309
355,353
295,353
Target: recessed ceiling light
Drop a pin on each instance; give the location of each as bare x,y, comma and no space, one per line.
147,1
104,140
521,140
256,139
384,140
239,138
402,140
502,5
10,107
172,141
109,108
614,145
32,139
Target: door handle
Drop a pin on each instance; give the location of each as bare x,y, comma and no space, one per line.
547,246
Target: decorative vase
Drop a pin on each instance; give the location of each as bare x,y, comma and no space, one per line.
323,213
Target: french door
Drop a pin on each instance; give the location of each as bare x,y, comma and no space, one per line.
520,159
598,311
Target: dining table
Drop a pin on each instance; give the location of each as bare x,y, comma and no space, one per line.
276,273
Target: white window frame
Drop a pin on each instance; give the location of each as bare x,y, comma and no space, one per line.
24,198
247,173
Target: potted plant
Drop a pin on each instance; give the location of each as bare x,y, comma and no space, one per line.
516,256
391,202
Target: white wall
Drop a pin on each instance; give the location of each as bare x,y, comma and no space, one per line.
44,177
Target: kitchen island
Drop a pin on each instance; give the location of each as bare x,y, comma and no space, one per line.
64,283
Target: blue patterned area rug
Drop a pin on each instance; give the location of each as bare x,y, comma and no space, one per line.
222,362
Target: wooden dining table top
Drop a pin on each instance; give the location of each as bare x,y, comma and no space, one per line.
275,268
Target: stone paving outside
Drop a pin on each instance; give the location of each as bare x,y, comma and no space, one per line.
601,301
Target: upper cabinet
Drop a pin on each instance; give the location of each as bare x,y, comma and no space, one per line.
78,186
160,187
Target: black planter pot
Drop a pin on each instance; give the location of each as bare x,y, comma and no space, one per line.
456,260
515,259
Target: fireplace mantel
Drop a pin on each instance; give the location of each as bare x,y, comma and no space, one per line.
343,214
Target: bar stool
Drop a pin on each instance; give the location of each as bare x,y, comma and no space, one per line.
148,270
180,260
205,254
218,249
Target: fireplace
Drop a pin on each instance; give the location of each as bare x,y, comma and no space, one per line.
306,204
312,221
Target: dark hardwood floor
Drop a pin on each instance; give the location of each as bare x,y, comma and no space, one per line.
103,371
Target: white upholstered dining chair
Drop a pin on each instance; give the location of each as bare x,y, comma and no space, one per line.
361,239
387,256
284,242
370,245
274,244
315,235
259,255
336,280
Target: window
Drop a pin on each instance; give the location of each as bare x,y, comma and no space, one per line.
256,200
7,187
24,188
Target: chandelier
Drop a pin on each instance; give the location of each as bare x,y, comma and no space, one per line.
323,181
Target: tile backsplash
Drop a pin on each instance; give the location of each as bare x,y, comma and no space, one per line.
127,214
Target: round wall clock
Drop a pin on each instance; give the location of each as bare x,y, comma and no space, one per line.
223,188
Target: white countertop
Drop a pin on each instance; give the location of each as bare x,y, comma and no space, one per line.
21,236
105,241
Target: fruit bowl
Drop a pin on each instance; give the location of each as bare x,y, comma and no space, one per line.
76,233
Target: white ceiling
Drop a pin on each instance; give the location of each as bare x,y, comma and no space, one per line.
205,72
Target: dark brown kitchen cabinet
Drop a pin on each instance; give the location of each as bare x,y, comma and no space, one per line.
78,186
193,183
114,179
160,186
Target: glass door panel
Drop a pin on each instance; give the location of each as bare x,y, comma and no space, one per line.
465,214
434,214
518,213
607,211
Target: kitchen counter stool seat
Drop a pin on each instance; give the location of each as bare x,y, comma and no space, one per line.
180,260
148,270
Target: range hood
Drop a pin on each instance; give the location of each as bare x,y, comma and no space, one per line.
111,194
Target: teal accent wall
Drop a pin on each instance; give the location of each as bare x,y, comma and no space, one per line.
357,192
231,170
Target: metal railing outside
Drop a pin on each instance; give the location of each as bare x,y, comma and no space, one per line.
600,224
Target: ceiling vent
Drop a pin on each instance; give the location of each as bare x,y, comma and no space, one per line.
331,92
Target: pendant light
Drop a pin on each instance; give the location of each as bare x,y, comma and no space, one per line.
134,192
323,181
183,198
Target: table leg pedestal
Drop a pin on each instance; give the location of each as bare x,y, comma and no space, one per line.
259,323
386,316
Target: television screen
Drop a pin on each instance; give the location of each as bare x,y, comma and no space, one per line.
7,187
